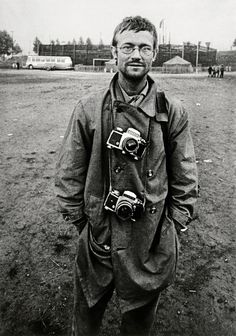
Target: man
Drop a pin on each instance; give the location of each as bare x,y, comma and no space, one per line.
126,177
222,69
213,71
209,71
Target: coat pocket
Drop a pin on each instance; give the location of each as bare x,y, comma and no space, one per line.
162,258
98,221
94,209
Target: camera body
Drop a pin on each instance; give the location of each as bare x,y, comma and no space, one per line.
126,206
129,142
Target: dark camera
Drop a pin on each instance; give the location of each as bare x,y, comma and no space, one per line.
129,142
126,206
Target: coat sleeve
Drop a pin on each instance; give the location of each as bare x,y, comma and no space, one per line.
182,169
71,167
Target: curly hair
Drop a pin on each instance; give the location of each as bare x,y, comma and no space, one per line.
136,23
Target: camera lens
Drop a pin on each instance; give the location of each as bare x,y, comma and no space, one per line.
124,210
131,145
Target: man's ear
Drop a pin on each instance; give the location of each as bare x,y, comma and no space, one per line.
114,52
154,55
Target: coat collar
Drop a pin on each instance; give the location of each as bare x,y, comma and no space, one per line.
148,105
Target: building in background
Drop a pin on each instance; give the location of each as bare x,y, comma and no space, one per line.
86,54
228,59
177,65
190,52
80,54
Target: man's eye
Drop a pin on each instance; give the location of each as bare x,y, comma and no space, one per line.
127,48
146,49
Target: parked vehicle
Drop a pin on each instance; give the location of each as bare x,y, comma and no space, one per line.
49,62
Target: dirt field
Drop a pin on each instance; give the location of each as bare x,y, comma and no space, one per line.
37,248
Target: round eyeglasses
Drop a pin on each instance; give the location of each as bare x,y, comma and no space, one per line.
129,49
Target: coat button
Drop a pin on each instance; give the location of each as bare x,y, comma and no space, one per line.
107,247
153,210
149,173
117,169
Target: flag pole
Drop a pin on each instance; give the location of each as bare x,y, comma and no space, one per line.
163,31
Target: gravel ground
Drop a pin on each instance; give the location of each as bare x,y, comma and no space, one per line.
37,248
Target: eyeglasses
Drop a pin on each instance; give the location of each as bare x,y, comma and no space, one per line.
129,49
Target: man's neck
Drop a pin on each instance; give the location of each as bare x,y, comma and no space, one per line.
131,87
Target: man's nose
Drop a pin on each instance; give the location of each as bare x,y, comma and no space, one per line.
136,53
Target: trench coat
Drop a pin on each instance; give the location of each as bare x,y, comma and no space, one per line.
143,254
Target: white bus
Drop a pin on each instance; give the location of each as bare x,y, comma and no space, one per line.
49,62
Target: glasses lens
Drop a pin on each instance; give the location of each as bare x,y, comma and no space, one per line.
146,51
126,49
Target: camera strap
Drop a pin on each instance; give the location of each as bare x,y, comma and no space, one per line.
162,118
144,177
111,119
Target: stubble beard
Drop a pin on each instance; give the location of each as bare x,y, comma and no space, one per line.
134,76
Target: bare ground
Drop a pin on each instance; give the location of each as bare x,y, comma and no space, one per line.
37,249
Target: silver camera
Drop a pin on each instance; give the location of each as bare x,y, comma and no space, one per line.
126,206
129,142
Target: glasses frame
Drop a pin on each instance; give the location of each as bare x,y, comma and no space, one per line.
140,49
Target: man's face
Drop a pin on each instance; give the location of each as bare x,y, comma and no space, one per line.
136,64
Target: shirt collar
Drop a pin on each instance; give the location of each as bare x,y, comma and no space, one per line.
128,98
148,105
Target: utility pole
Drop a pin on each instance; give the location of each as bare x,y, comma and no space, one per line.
74,52
163,32
183,51
208,53
198,45
169,47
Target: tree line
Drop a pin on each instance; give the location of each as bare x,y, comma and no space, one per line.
7,44
81,41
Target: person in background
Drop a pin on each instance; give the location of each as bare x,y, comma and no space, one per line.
214,71
126,177
222,69
209,71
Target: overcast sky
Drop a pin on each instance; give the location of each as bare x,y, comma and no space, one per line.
184,20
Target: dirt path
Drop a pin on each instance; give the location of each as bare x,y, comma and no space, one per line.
37,248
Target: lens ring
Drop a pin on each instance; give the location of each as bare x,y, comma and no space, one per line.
124,210
131,145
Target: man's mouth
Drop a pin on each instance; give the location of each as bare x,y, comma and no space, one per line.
135,64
